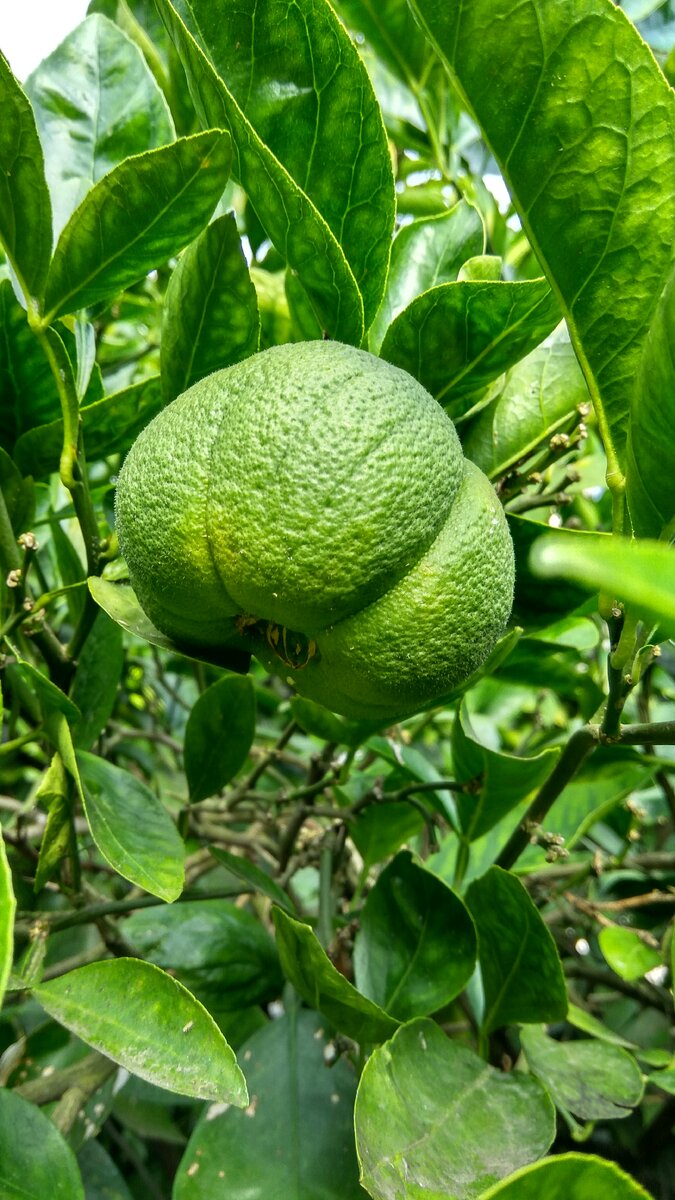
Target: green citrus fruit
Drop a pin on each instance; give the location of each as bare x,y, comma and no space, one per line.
313,504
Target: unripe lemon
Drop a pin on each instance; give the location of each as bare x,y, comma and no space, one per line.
313,504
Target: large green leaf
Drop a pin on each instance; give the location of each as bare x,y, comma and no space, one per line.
433,1120
416,946
132,828
7,910
590,1079
28,395
35,1160
95,103
581,121
569,1177
134,218
25,207
149,1023
297,78
641,574
308,967
210,315
501,780
219,735
97,677
390,28
425,253
520,967
296,1142
541,396
458,337
290,218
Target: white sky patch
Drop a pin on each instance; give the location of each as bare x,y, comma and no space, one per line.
31,29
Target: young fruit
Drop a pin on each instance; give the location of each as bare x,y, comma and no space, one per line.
313,504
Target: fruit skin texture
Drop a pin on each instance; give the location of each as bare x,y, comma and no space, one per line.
312,504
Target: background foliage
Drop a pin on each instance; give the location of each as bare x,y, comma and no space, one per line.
249,947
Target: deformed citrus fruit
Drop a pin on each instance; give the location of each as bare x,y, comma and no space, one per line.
313,504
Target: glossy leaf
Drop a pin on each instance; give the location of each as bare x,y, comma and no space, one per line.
55,794
296,1141
379,830
424,254
606,779
217,950
27,393
581,121
520,968
94,688
627,953
253,876
568,1177
137,216
25,1174
307,966
541,396
297,78
390,28
432,1119
25,207
132,828
501,780
458,337
219,735
210,315
328,726
149,1023
95,103
651,436
7,910
291,220
416,946
641,574
589,1079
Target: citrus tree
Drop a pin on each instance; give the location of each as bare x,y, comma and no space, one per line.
330,866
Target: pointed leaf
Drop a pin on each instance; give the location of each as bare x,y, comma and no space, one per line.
25,207
568,1177
132,828
210,315
591,1080
94,688
291,220
7,910
520,967
432,1119
219,735
651,435
582,123
95,103
458,337
307,966
35,1159
137,216
253,876
149,1023
416,946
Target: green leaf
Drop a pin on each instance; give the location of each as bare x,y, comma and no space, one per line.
7,910
18,493
94,688
379,830
502,780
101,1178
28,395
520,967
149,1023
390,28
627,953
253,876
458,337
210,315
580,1019
641,574
54,792
291,220
308,97
95,103
651,436
51,698
328,726
25,207
132,828
590,1079
424,254
581,122
137,216
25,1174
541,396
568,1177
433,1120
219,735
296,1142
307,966
220,952
416,946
